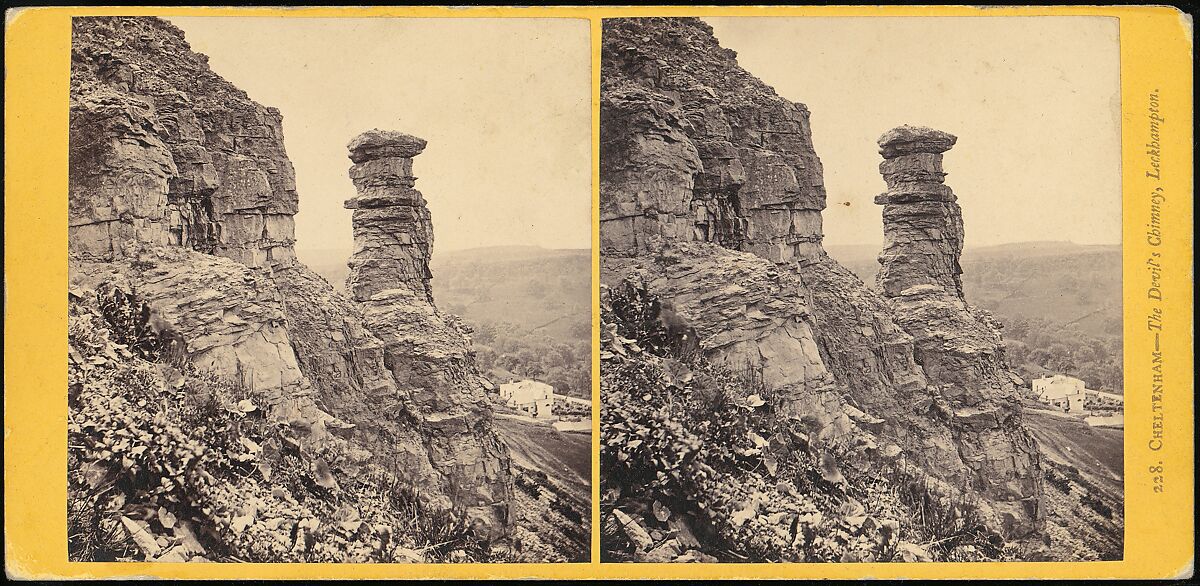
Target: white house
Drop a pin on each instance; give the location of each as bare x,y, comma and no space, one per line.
1060,390
532,397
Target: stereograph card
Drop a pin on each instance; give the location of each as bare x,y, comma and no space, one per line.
599,292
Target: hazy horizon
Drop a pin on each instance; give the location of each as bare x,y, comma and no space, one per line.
506,107
306,248
1034,101
823,244
505,104
303,249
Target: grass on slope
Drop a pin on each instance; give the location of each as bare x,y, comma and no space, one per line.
563,456
1098,452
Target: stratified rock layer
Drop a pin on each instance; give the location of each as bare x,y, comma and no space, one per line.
747,313
393,233
180,191
922,222
163,150
959,348
693,148
711,195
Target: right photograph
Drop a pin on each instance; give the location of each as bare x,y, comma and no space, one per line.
861,290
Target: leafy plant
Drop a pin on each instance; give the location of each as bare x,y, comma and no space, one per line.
134,325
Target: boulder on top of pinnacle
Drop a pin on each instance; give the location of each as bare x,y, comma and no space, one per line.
379,144
906,140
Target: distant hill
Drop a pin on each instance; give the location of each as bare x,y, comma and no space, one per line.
530,307
1059,281
1060,302
536,289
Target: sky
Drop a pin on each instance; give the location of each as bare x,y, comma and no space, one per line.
504,103
1035,103
505,106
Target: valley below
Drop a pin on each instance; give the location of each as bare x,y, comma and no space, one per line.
530,308
565,456
553,484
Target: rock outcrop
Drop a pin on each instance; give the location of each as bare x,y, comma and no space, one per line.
427,351
694,149
959,349
232,317
393,232
181,192
711,152
711,195
747,313
164,150
922,223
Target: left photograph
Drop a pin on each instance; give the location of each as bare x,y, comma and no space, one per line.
270,359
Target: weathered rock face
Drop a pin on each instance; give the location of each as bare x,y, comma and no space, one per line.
119,173
393,232
164,150
649,167
425,350
181,192
922,222
231,316
693,148
748,314
960,350
724,159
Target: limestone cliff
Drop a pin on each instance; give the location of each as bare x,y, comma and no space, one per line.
181,191
166,151
711,195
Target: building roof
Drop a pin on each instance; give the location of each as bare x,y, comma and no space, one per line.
526,391
1058,378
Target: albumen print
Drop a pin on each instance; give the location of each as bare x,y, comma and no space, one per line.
270,358
861,290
